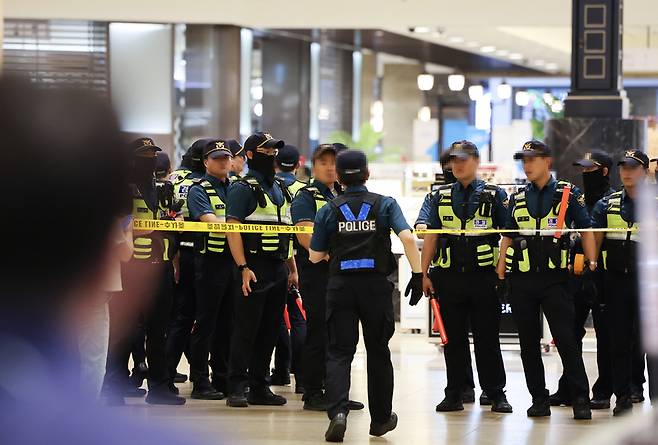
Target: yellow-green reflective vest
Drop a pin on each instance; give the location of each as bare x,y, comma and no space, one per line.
214,242
148,247
320,201
268,244
469,251
296,187
532,251
619,250
182,181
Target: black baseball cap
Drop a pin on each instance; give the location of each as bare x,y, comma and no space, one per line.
634,157
262,140
196,149
288,156
143,144
463,150
162,163
235,147
216,148
334,148
533,148
595,158
351,162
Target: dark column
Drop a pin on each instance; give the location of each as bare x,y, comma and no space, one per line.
596,109
226,81
286,88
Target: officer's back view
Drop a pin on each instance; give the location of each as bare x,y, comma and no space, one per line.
354,230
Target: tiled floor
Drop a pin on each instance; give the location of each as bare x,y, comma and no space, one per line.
419,382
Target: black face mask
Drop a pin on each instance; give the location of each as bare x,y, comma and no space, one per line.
595,186
263,164
143,169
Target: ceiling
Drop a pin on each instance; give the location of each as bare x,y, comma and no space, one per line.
533,33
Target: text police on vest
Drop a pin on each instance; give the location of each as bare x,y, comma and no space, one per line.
357,226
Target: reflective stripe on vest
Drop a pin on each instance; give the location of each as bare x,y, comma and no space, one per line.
481,220
296,187
616,241
182,183
143,245
215,241
270,214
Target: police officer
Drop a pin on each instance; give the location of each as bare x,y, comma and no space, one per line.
617,211
239,158
258,198
354,230
539,275
151,258
469,204
596,167
214,272
445,178
313,278
180,327
288,351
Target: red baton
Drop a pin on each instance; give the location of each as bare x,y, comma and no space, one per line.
286,317
438,321
300,305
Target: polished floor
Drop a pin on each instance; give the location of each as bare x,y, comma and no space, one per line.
419,382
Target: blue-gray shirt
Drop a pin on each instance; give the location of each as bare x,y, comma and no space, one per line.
600,211
326,224
288,178
303,207
198,202
540,202
241,200
424,213
465,202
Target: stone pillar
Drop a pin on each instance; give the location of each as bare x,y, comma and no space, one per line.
596,110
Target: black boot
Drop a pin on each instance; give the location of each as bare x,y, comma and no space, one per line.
540,408
500,404
237,400
558,399
353,405
623,406
450,404
379,429
581,409
337,427
468,395
164,397
599,402
206,392
315,402
180,378
484,400
264,396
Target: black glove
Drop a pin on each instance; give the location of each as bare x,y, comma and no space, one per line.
589,287
502,290
415,287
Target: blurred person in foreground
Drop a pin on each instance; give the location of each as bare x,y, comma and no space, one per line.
62,214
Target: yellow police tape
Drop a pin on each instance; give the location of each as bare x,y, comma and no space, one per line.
194,226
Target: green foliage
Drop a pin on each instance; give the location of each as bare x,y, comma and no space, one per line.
368,142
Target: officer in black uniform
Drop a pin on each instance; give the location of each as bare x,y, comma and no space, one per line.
288,351
447,177
538,264
313,278
258,198
469,204
596,167
617,211
354,230
215,276
151,258
182,321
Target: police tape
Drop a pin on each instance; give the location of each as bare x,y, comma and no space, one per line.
195,226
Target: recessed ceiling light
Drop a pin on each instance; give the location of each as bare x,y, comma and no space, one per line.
456,39
421,29
472,44
552,66
516,56
502,52
488,49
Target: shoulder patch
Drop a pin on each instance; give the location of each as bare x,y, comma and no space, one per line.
581,200
506,203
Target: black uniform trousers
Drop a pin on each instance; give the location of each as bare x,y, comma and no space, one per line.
182,320
463,296
257,322
623,304
365,297
602,388
290,344
148,293
531,294
215,284
313,279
